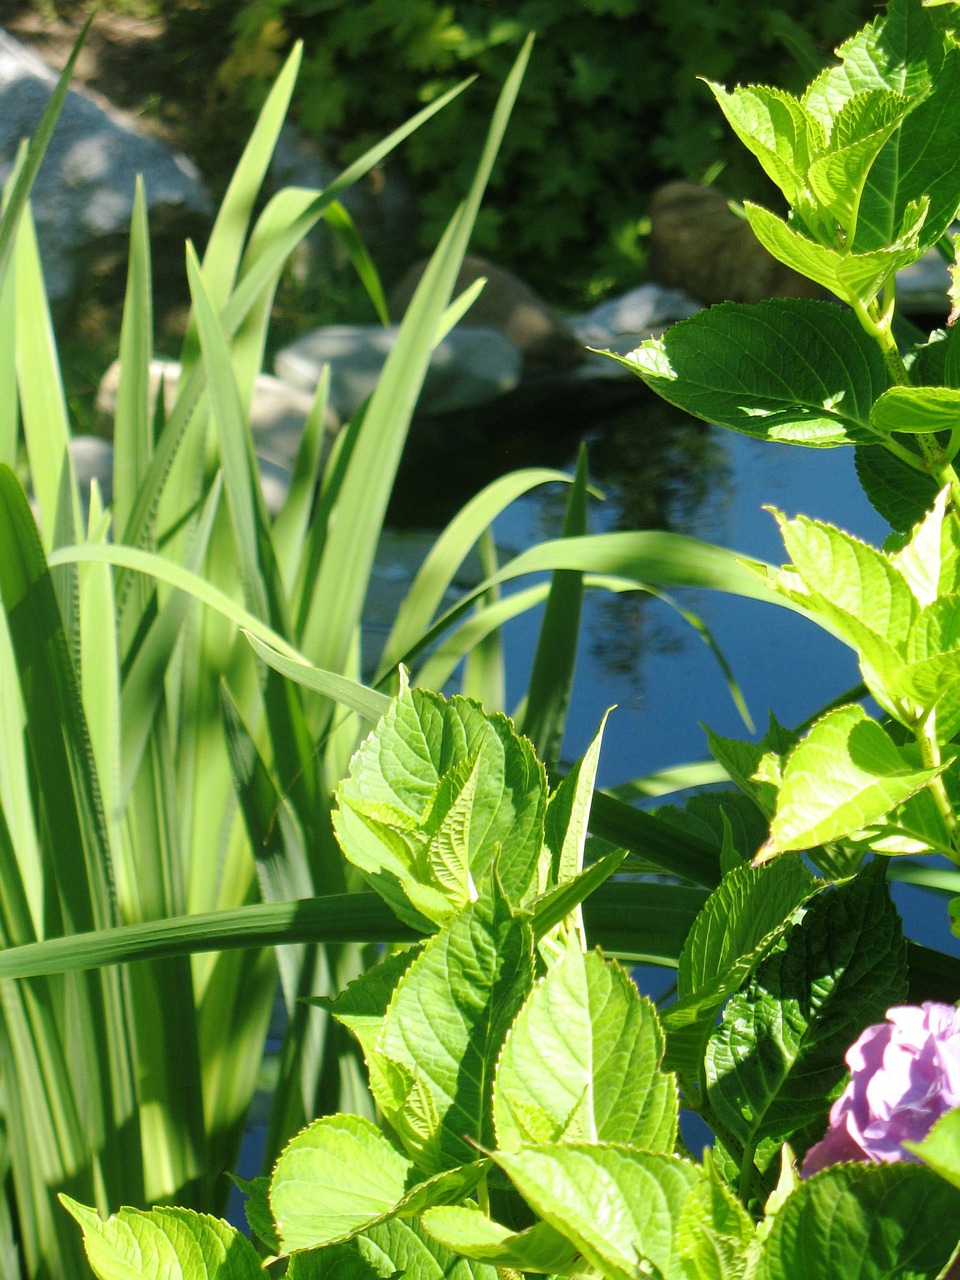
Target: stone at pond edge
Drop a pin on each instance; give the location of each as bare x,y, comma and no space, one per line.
83,196
277,411
469,367
699,245
545,341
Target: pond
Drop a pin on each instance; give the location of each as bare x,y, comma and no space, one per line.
659,468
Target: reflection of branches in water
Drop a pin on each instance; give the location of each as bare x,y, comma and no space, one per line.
660,469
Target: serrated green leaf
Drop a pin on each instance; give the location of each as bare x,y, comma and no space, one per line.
163,1244
855,577
716,1237
582,1063
794,371
618,1205
466,1229
335,1177
772,1063
409,804
444,1029
917,410
779,131
845,775
402,1247
900,493
930,558
864,1220
740,921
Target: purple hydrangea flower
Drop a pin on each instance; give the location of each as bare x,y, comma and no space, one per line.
904,1074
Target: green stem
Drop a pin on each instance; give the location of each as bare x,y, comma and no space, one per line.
930,757
935,463
483,1196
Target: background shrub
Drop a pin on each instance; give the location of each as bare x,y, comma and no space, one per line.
611,106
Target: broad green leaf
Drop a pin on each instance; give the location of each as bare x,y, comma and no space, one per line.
618,1205
163,1244
772,1063
362,1005
552,907
940,1149
432,796
860,131
929,559
582,1063
917,410
864,1220
817,262
740,922
466,1229
794,371
433,1067
846,774
336,1177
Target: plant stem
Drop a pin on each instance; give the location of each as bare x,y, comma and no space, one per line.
930,756
936,462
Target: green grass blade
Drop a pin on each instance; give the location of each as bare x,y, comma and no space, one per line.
43,408
291,526
441,662
337,218
639,919
132,434
348,917
351,544
17,202
365,702
483,673
448,553
551,677
74,829
229,234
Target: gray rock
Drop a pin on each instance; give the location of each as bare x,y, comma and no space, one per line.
277,411
93,461
544,339
83,195
620,324
470,366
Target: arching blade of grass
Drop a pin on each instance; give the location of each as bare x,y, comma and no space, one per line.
639,919
448,553
483,672
551,678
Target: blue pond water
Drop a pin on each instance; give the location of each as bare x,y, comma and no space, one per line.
672,684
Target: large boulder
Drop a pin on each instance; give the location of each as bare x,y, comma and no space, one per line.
277,412
83,194
469,367
545,341
699,245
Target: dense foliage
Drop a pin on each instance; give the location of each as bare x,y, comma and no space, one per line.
611,106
